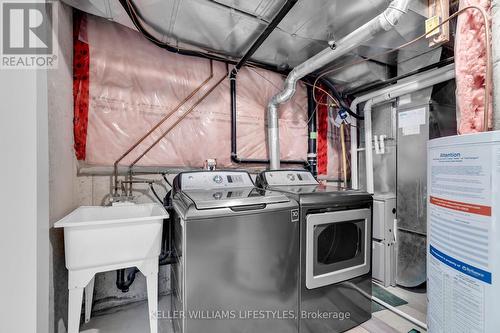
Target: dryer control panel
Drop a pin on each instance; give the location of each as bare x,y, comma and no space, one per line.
204,180
287,177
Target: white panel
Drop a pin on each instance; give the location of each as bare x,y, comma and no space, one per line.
463,244
16,28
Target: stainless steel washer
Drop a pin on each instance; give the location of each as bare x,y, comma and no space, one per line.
237,249
335,250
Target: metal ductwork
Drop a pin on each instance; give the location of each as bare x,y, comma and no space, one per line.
383,22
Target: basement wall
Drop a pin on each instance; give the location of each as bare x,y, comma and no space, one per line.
62,165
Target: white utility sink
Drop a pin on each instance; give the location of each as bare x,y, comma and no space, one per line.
99,239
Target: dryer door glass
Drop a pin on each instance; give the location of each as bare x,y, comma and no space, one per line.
337,246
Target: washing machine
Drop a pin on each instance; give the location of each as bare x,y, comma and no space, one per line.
335,250
237,253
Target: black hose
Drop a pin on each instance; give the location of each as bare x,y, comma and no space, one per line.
130,8
155,194
166,256
166,179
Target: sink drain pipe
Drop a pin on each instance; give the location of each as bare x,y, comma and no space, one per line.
382,22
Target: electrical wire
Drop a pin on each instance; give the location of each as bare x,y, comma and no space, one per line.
166,179
154,192
459,12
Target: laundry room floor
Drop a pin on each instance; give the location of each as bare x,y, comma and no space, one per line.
385,321
133,317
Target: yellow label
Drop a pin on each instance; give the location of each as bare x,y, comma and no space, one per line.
430,24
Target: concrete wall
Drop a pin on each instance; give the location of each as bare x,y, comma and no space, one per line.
62,162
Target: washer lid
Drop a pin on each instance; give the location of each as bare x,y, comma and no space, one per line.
234,197
287,177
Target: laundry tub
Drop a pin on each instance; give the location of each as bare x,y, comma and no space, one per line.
99,239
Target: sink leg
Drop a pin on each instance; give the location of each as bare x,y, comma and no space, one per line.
74,309
150,269
152,285
89,292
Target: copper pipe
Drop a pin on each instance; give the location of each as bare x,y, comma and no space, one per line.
188,97
179,120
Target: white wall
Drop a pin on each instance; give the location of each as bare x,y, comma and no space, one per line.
24,201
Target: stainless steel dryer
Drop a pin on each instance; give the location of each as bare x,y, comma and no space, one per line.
237,249
335,250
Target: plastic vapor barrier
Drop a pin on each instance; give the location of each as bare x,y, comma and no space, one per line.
132,84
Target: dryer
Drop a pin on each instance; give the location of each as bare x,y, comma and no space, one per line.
237,250
335,250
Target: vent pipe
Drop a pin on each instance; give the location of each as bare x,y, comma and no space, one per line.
383,22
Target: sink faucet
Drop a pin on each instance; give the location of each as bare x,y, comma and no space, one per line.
124,196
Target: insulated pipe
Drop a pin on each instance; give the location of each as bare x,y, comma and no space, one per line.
383,22
388,90
495,39
387,96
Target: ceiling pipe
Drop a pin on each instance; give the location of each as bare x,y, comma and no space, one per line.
383,22
429,81
381,84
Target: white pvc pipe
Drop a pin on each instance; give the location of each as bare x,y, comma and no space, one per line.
417,77
368,147
354,153
388,93
415,86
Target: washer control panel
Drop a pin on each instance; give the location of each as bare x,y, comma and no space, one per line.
204,180
289,177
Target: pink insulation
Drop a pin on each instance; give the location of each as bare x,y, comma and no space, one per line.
134,83
470,60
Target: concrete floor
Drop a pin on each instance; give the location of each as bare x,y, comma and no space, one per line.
386,321
133,318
